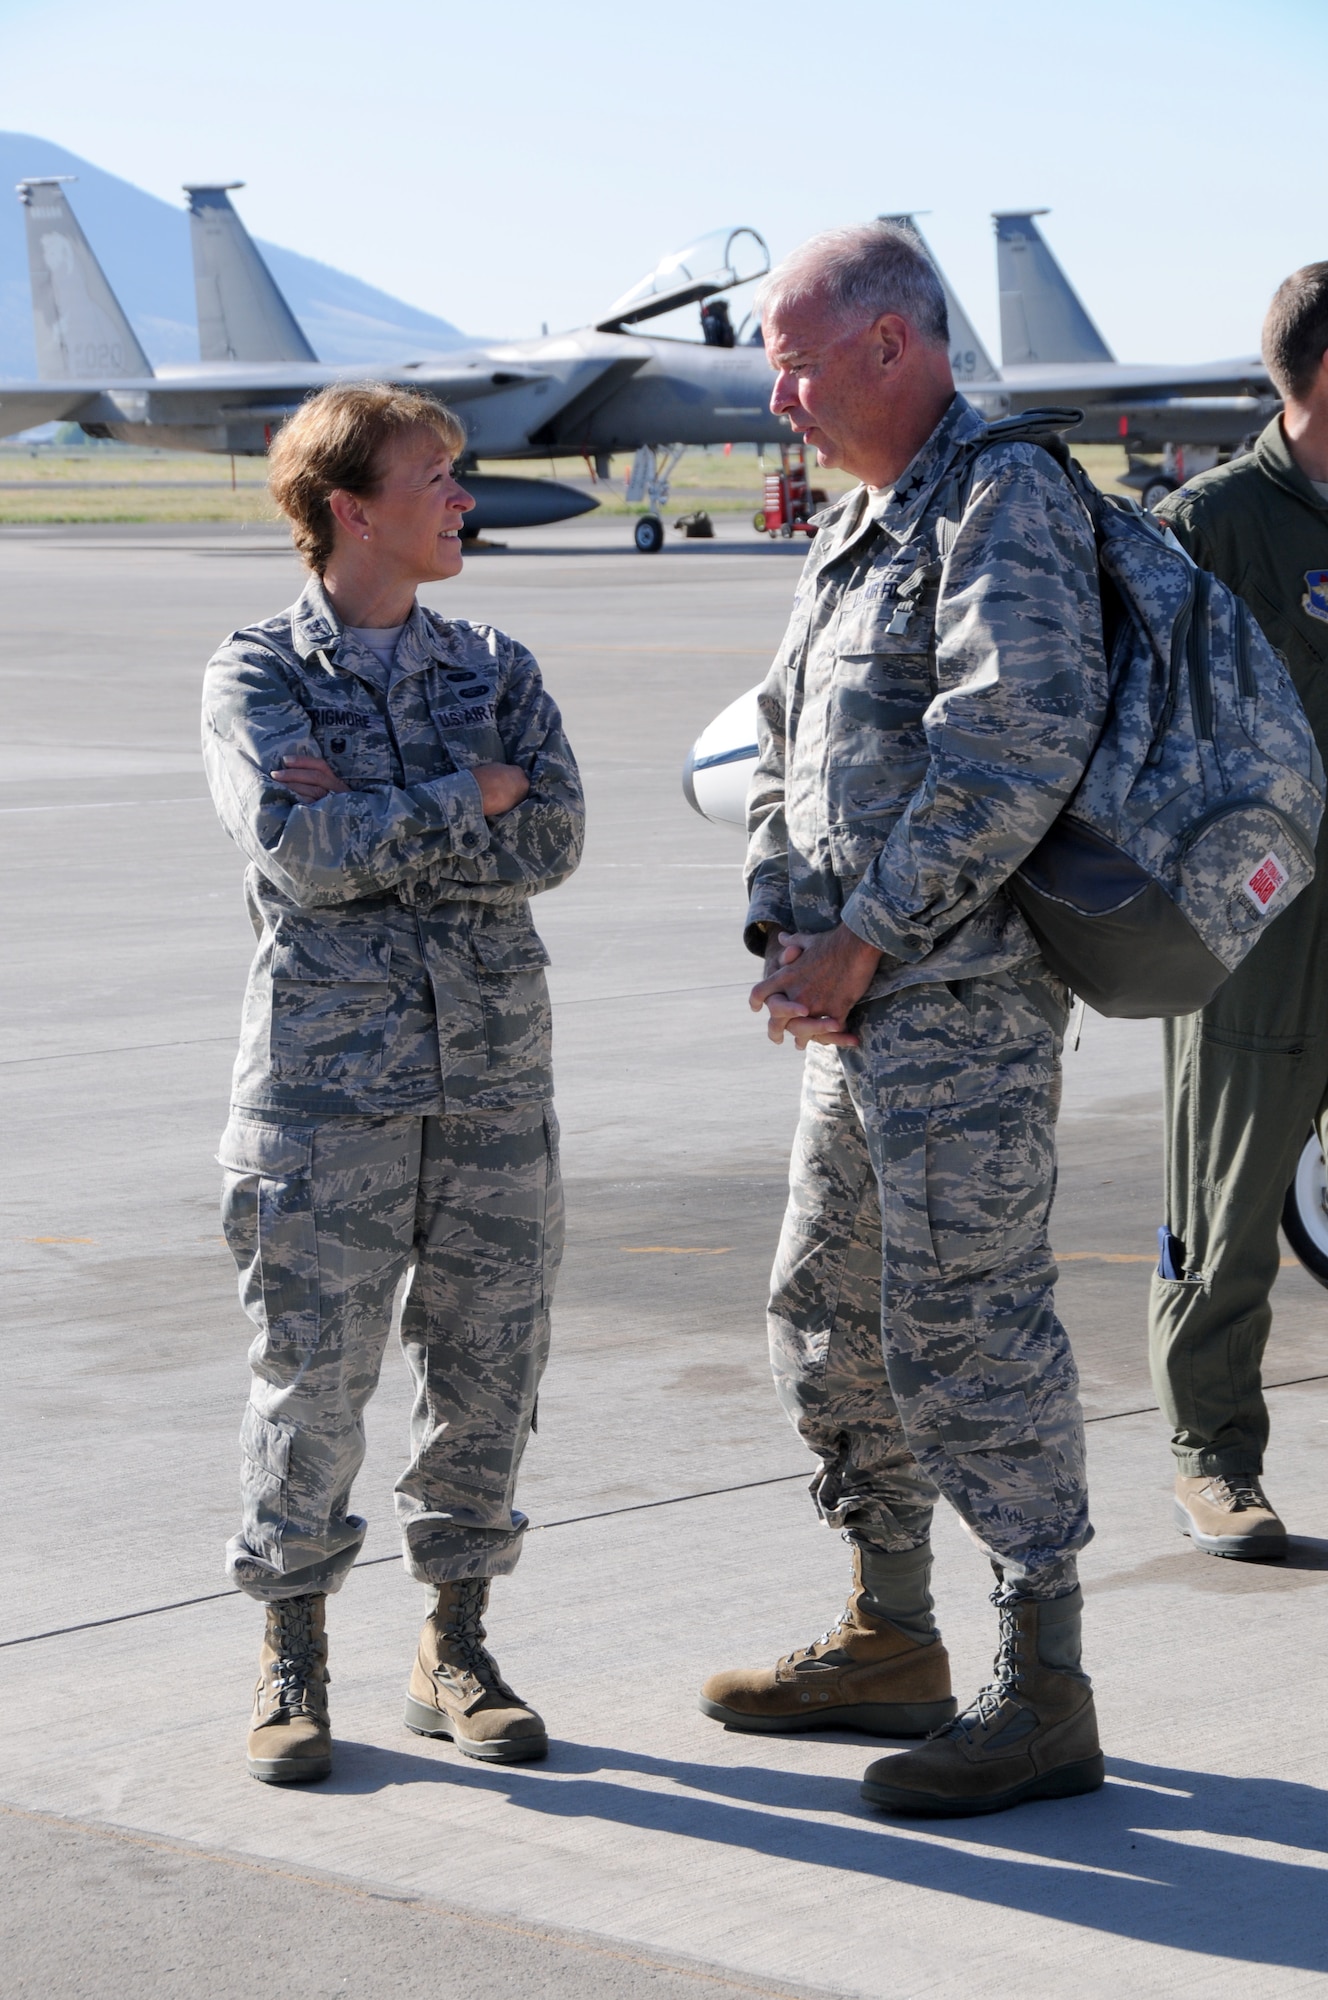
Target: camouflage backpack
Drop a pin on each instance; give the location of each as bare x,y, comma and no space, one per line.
1195,820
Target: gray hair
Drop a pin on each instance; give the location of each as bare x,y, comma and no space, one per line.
879,267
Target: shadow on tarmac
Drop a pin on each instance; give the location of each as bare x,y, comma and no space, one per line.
1307,1552
1149,1857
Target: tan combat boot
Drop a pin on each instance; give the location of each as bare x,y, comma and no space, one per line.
457,1691
290,1740
1227,1514
1031,1735
865,1673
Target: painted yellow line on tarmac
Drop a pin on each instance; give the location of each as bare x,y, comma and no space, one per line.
57,1239
1106,1257
1132,1257
670,1250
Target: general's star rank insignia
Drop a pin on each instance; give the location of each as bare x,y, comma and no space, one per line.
1315,600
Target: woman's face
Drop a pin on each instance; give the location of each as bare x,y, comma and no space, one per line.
413,518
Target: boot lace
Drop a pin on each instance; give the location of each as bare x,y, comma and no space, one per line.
295,1666
1007,1673
806,1652
1239,1491
464,1631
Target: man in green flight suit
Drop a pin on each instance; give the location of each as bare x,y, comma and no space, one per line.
1247,1078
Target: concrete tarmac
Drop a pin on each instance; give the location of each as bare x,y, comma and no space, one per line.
654,1853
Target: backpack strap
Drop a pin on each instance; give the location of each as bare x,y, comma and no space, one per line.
1046,428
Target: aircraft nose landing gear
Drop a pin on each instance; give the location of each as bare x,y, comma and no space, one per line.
648,480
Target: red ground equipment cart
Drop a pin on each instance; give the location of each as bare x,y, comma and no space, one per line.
789,496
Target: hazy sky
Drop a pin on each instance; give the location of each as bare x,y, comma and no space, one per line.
514,162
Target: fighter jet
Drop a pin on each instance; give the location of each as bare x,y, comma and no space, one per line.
594,391
1052,353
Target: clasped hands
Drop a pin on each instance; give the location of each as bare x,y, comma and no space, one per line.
502,786
812,984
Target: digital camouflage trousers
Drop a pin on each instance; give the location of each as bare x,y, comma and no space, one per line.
913,1335
325,1217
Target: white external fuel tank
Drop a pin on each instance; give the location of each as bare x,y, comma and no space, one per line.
721,761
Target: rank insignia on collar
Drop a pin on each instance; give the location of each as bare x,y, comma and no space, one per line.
1315,600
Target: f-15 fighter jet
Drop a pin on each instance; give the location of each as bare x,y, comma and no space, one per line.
595,391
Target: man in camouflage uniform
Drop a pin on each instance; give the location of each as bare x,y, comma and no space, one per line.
1247,1078
391,1111
932,707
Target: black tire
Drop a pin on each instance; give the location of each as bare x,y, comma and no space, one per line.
1305,1211
1156,492
649,534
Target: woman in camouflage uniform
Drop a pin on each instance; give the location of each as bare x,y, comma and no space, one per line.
401,786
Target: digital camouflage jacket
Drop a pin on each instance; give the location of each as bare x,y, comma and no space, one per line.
932,706
397,966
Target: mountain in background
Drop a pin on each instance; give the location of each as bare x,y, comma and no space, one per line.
143,246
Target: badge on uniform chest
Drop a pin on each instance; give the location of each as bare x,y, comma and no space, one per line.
894,590
337,725
467,702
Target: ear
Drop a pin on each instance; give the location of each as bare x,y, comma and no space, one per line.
347,511
892,336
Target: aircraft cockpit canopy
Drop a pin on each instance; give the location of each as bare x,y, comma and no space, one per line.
714,263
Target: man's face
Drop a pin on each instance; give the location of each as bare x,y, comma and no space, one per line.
835,383
415,513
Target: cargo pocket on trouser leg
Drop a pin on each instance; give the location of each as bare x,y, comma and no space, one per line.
978,1361
267,1214
475,1330
990,1175
291,1474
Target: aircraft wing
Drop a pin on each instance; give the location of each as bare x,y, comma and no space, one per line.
520,396
27,404
1245,375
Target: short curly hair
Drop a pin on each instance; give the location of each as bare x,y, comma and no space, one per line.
335,440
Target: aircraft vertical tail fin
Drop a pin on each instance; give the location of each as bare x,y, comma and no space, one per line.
242,315
78,323
969,359
1042,317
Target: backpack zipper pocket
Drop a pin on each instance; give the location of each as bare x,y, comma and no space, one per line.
1179,638
1198,659
1288,826
1246,684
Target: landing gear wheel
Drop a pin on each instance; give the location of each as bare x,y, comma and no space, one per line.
1156,492
1305,1211
649,534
